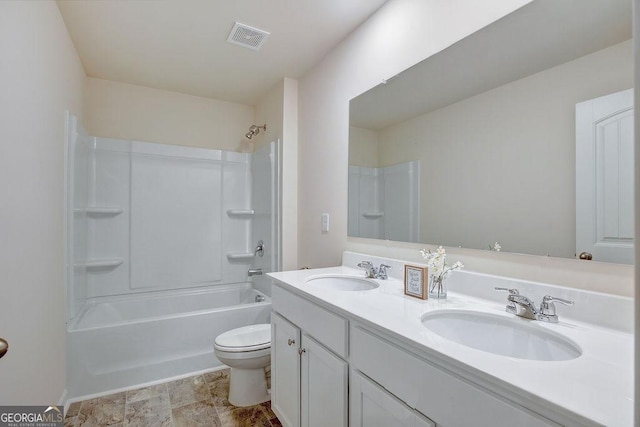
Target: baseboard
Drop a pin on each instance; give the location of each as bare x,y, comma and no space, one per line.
145,384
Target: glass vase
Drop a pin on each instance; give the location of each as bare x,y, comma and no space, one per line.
437,288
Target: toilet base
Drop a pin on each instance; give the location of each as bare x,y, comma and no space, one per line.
248,387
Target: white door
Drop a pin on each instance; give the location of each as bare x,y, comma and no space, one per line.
324,386
604,177
372,406
285,371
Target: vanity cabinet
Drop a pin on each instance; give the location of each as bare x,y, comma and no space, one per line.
321,361
309,386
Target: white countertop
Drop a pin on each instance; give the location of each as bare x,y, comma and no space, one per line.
598,385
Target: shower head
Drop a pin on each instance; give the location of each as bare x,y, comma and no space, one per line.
254,130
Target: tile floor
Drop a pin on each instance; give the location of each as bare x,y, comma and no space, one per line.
200,400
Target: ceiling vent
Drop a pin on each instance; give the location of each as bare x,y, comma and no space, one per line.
247,36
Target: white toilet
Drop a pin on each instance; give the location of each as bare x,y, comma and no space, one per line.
247,351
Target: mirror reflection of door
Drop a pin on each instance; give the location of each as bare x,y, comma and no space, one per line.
604,177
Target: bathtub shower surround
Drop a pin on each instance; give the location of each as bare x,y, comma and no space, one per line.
160,239
384,203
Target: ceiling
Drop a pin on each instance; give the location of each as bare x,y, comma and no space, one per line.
538,36
181,46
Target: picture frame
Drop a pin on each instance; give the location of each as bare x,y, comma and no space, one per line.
415,281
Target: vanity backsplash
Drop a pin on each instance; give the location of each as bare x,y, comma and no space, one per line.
600,309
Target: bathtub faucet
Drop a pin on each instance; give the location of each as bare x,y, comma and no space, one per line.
254,272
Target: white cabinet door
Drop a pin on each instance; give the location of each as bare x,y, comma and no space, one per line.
324,386
372,406
285,371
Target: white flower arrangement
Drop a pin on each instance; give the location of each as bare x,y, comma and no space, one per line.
437,263
495,247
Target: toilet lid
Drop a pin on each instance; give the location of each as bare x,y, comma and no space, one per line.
247,338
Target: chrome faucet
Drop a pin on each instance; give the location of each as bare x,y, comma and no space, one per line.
524,307
372,272
254,272
369,270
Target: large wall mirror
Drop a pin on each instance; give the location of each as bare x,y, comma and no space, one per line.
521,133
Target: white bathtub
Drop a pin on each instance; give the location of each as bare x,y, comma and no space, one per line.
121,342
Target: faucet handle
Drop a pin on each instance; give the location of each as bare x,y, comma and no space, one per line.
548,308
259,250
511,306
549,298
382,271
512,291
366,265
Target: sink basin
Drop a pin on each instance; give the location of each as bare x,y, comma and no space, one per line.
342,283
513,337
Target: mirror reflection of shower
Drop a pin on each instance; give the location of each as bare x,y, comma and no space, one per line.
254,130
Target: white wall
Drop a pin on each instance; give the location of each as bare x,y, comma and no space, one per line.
290,176
363,147
400,34
125,111
509,153
41,77
269,111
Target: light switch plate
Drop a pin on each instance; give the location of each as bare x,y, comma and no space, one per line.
325,222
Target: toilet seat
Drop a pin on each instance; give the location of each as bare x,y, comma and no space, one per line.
245,339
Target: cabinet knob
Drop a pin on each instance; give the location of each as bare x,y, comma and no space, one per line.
291,342
301,350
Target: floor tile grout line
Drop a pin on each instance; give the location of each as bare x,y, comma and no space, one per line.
75,423
165,386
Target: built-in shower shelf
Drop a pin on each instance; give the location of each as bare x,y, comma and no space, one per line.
101,263
101,210
241,213
240,256
373,215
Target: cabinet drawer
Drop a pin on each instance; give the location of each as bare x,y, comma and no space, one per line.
326,327
447,399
